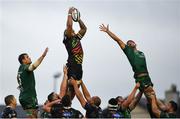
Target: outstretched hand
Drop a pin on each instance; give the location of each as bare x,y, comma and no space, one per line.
104,28
70,10
45,52
65,69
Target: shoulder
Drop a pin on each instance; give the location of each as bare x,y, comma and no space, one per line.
9,113
56,107
24,67
88,106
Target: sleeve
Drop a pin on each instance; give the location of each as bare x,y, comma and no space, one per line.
64,36
127,50
26,67
79,36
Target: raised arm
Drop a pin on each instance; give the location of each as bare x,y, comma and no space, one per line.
69,23
64,83
83,28
85,92
135,100
161,105
38,62
156,111
47,107
127,102
112,35
78,93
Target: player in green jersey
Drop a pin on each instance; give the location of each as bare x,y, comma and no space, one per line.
137,61
26,81
126,105
161,110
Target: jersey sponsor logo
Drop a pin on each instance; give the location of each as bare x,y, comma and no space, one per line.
67,114
116,115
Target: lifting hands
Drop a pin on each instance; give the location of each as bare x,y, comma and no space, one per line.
104,28
45,52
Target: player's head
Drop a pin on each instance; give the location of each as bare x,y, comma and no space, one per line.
95,100
66,101
131,43
112,104
120,100
24,59
53,96
172,106
10,100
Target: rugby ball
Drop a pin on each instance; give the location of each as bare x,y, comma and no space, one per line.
75,15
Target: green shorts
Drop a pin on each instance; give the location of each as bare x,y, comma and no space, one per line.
29,103
145,81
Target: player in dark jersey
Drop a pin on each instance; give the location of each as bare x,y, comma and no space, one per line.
64,109
54,98
59,106
90,104
9,111
160,110
72,42
26,81
51,97
112,110
125,106
137,61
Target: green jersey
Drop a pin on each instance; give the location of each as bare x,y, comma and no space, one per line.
136,59
126,112
167,115
26,82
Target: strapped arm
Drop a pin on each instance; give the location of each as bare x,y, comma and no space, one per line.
112,35
78,93
161,105
127,102
154,106
135,101
82,30
64,83
47,107
38,62
69,23
85,92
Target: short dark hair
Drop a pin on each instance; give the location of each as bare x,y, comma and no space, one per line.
130,41
117,98
8,99
50,97
21,57
97,101
174,105
113,101
112,104
66,101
